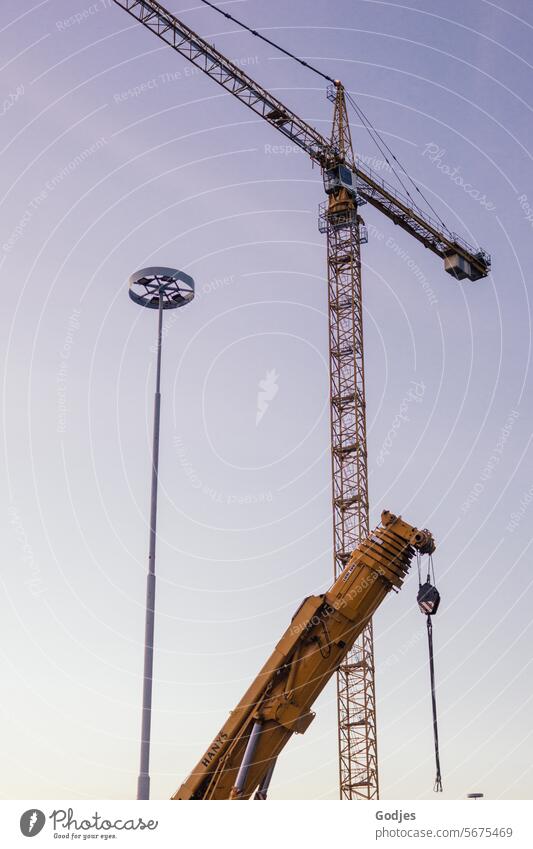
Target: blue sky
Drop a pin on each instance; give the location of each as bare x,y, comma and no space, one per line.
116,155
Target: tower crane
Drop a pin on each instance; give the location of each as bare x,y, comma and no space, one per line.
348,185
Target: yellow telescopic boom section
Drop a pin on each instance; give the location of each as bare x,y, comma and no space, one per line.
240,760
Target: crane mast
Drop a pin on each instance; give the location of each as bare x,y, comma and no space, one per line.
348,185
340,220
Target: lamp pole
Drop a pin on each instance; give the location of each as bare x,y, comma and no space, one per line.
156,288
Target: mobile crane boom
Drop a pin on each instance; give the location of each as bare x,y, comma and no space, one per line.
240,760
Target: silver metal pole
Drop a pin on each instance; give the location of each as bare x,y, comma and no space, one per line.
143,783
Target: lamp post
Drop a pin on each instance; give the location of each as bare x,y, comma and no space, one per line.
156,288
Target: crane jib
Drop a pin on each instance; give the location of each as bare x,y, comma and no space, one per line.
461,261
227,74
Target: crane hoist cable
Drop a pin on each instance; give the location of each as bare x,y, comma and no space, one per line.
428,599
376,137
380,142
268,41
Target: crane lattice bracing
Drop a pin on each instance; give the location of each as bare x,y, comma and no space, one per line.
348,185
358,772
475,264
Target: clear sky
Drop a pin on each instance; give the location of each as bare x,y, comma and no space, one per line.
115,155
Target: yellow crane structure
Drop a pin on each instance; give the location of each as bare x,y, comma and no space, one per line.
348,185
241,759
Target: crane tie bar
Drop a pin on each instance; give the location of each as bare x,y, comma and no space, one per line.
268,41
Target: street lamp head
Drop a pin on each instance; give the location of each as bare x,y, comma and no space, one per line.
151,285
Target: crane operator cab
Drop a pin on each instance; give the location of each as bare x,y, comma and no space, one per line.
340,177
341,209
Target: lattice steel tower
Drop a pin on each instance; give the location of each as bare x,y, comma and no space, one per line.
340,220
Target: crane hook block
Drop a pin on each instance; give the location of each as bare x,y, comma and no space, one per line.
428,599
